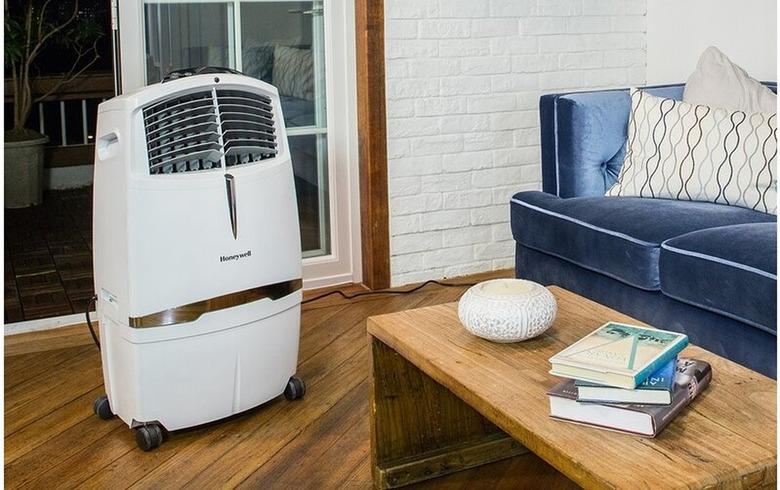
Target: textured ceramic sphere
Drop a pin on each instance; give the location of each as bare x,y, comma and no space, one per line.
507,310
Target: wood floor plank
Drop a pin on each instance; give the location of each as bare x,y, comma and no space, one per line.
19,393
339,435
43,394
69,457
318,442
360,477
129,467
17,370
42,429
23,367
57,338
311,319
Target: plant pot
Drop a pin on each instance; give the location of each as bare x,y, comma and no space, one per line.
23,170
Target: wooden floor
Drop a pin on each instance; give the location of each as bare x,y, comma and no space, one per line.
52,439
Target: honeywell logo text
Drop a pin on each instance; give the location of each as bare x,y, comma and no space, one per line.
228,258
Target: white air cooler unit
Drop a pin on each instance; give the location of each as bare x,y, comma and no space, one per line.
197,253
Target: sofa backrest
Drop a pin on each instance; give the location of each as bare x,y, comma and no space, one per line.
583,137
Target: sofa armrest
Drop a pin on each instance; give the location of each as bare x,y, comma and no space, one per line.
583,137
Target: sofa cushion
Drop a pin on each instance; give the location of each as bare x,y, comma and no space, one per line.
730,270
619,237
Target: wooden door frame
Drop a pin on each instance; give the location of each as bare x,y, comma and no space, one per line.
372,142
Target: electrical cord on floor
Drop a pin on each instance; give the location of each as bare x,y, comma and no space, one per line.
388,291
90,305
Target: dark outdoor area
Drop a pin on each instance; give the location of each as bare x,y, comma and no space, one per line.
48,257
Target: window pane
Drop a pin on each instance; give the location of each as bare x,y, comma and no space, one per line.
281,43
181,35
309,157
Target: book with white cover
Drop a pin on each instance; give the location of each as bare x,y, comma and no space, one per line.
618,355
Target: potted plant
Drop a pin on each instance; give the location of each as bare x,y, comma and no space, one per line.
31,26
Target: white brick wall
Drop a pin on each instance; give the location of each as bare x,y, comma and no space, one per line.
463,84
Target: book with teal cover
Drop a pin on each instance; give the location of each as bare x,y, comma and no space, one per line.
663,379
655,390
618,355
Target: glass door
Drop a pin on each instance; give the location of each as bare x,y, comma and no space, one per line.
300,48
283,43
279,42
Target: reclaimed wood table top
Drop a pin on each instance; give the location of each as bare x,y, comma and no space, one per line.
726,438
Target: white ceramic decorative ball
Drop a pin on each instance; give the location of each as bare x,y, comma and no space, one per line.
507,310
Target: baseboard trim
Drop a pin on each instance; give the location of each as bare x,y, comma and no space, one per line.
45,323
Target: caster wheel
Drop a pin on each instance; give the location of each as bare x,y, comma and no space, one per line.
295,389
149,436
102,408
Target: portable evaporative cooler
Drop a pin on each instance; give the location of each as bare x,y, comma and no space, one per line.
197,253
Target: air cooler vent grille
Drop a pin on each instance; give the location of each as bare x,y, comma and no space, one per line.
208,129
247,126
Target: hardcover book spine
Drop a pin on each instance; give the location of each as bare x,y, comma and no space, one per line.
692,379
658,363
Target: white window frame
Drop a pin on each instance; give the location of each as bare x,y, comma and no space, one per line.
343,264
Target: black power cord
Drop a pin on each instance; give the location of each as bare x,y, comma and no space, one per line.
388,291
90,305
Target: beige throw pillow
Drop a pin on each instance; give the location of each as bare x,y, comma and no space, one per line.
717,82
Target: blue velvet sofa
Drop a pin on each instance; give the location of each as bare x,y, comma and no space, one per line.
707,270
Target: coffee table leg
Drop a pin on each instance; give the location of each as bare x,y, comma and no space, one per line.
421,430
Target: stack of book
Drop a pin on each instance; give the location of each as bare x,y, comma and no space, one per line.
626,378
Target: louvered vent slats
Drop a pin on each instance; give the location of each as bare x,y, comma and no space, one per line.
247,126
207,129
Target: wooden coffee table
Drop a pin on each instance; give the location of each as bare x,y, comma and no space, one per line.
443,400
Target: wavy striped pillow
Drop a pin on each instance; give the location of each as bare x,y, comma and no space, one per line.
682,151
